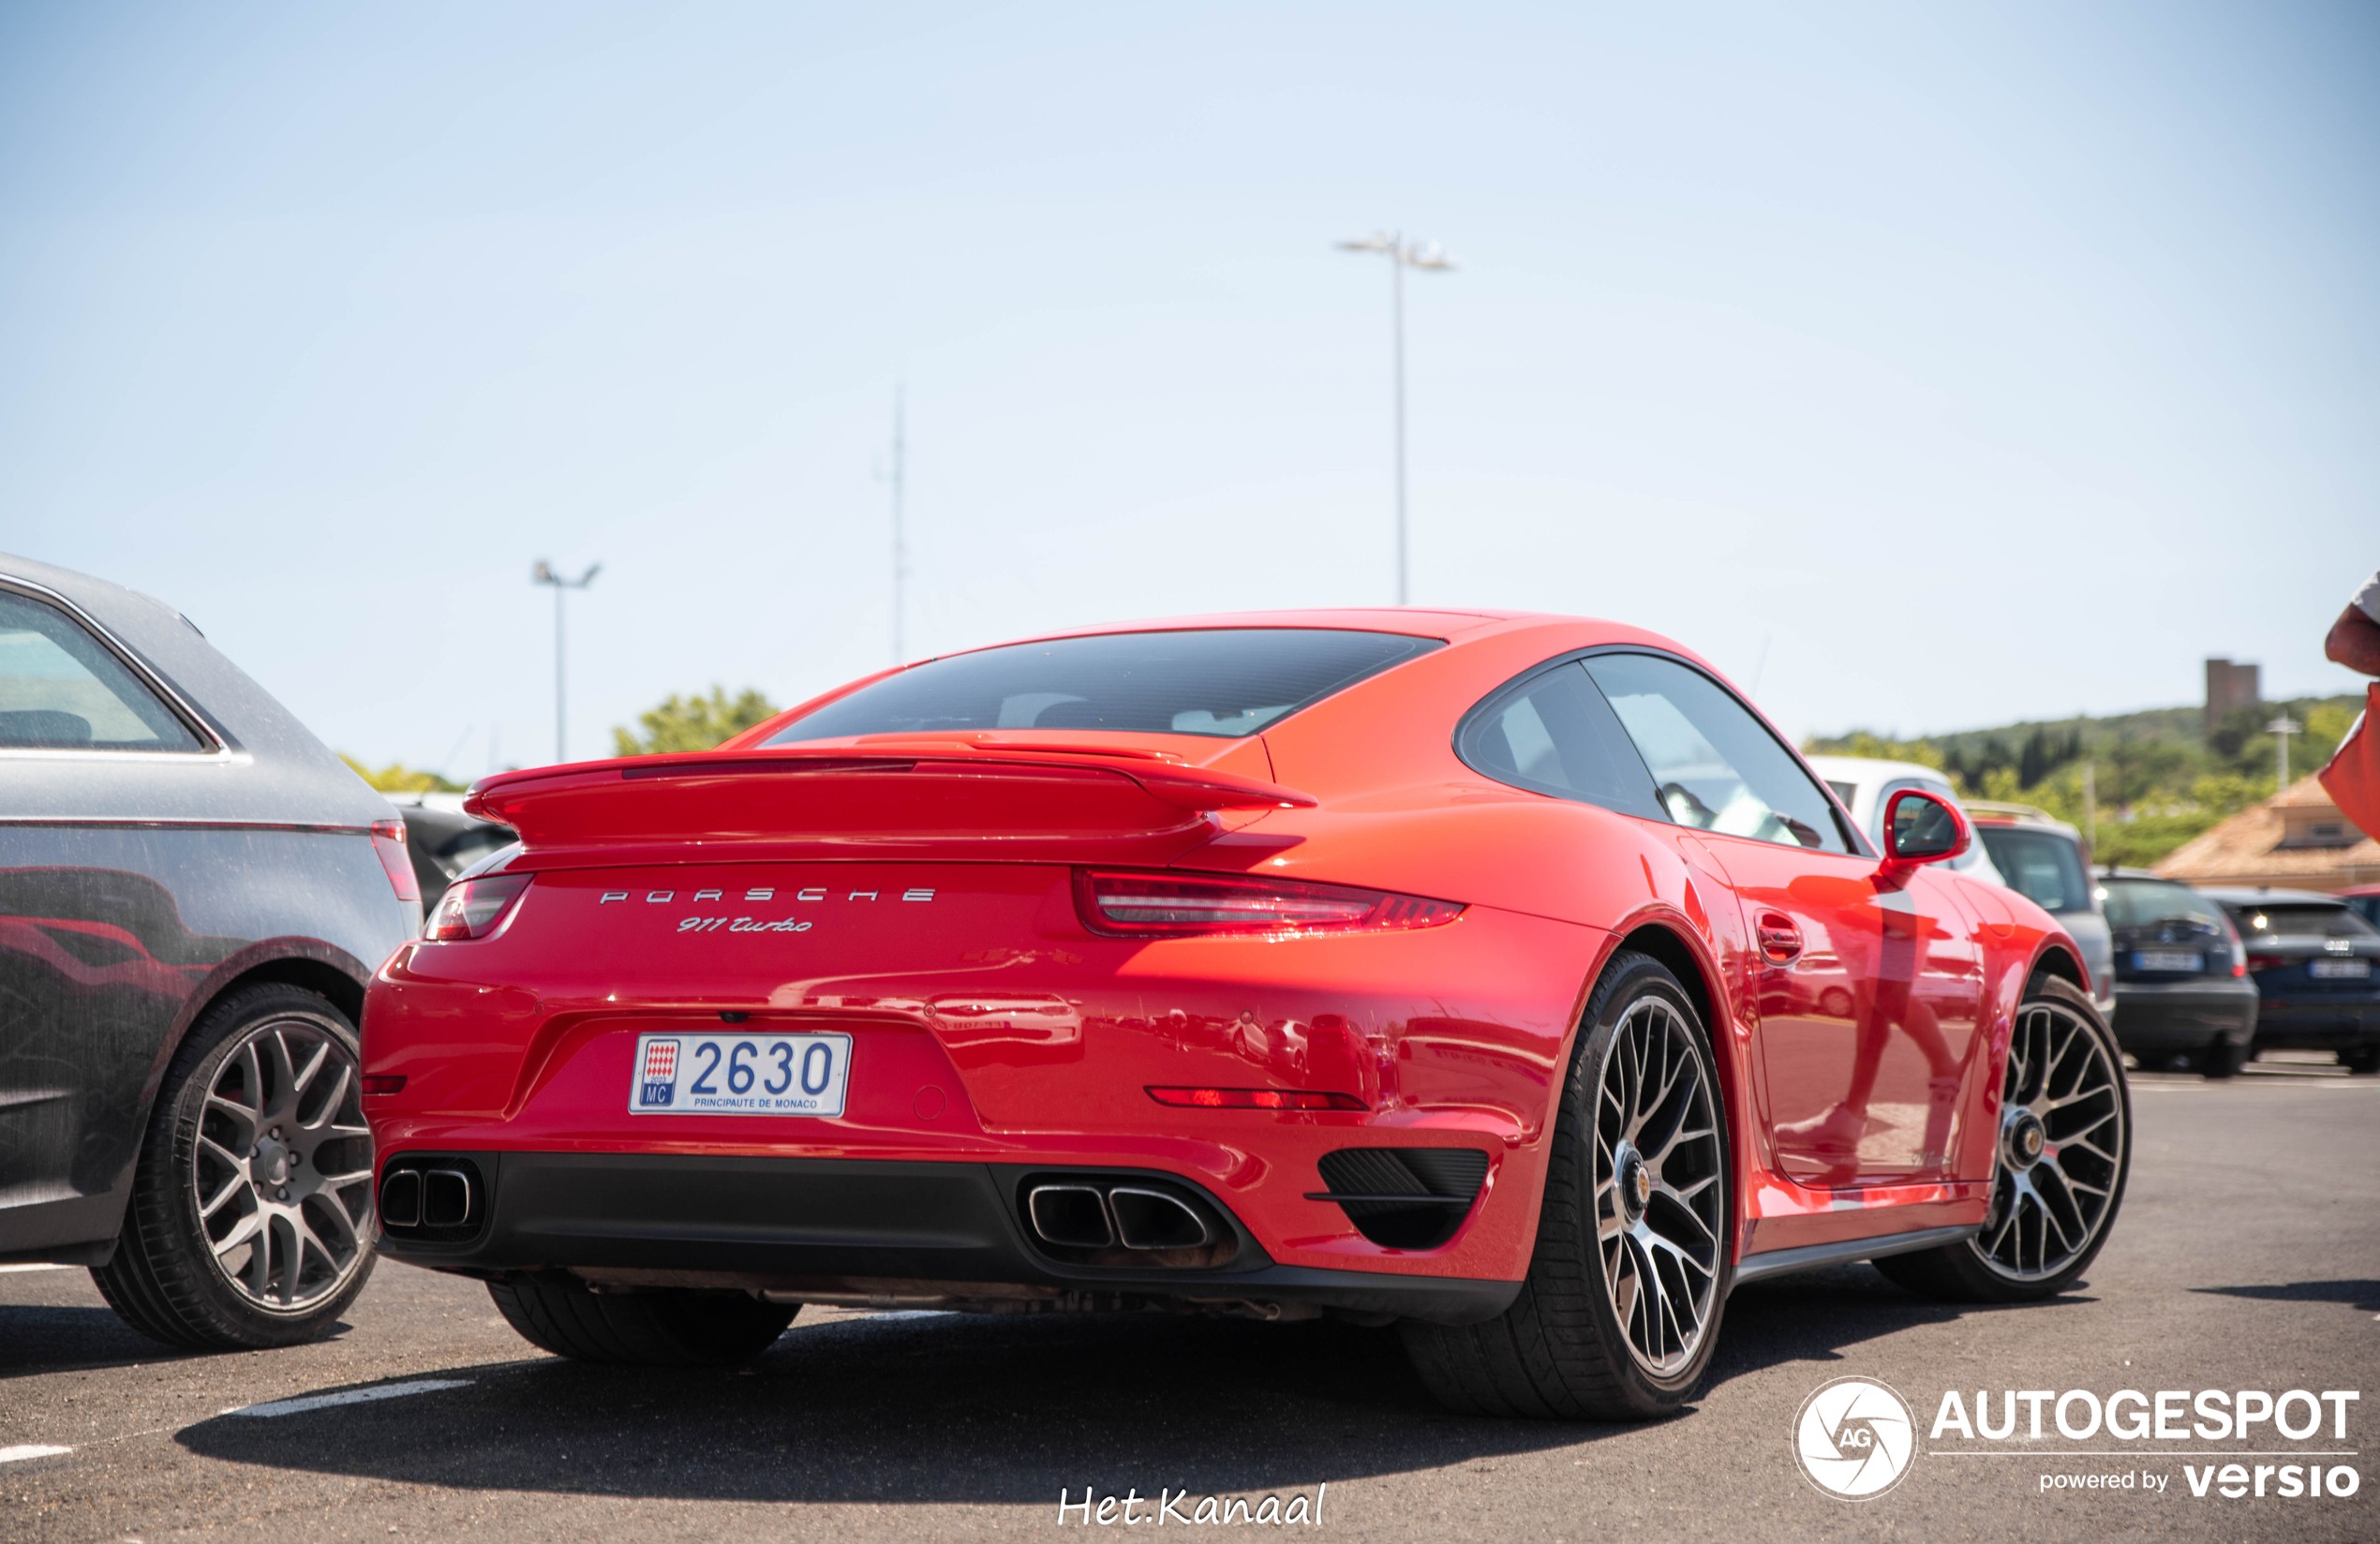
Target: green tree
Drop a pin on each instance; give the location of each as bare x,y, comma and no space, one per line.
396,777
695,722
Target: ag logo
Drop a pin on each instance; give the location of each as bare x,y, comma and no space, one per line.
1855,1438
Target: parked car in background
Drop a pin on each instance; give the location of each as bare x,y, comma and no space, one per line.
2182,988
2316,966
443,841
193,894
2045,860
2364,902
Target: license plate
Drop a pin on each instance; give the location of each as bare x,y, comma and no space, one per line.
2168,959
2342,970
739,1075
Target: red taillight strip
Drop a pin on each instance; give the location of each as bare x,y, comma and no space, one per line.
1123,903
387,841
1268,1099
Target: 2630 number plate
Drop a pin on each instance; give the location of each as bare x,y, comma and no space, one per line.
739,1075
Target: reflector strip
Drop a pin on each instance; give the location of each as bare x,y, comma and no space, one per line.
1271,1099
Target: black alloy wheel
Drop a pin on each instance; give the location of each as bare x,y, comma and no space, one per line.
2063,1156
1618,1317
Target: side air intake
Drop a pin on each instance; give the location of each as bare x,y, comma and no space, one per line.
1404,1198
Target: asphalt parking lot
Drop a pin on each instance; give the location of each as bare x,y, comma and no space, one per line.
2248,1258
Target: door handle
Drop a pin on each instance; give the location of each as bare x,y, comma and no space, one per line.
1780,940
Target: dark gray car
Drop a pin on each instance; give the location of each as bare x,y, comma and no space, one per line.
193,893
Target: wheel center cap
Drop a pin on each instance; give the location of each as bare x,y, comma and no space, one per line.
272,1163
1636,1184
2024,1140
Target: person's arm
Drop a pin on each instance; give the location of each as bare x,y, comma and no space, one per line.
2354,641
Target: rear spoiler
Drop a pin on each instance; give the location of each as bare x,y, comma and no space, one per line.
887,798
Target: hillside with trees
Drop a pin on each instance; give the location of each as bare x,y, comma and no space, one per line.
2140,784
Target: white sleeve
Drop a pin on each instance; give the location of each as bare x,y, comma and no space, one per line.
2367,600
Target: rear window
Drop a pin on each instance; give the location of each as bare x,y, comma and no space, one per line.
2040,866
61,690
2302,919
2144,903
1222,682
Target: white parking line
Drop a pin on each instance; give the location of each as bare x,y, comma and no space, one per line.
351,1395
12,1270
30,1450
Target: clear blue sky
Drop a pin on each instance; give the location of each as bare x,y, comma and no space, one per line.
1942,365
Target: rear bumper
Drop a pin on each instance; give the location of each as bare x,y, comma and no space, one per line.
851,1229
2184,1016
2314,1023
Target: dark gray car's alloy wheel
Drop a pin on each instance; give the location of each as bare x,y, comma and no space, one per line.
250,1221
282,1173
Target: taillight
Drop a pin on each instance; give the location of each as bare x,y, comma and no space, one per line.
472,907
1172,905
388,840
1272,1099
2265,962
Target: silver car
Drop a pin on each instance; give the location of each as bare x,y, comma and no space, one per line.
193,893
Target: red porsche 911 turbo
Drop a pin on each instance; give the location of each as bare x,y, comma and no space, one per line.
1503,976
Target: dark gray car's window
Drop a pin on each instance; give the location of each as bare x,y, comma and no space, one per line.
2041,865
1554,733
2146,902
2300,919
1715,766
1220,682
62,689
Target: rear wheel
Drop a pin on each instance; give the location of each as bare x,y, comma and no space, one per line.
2363,1060
2065,1151
666,1327
1620,1312
2220,1059
249,1222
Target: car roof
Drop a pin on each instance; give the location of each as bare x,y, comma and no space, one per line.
2272,898
1874,769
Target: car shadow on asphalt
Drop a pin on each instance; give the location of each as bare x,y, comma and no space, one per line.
955,1408
42,1338
2361,1295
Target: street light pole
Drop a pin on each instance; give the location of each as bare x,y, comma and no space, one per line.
543,574
2280,729
899,541
1402,254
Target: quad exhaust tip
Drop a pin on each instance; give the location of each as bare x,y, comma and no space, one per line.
1091,1216
435,1197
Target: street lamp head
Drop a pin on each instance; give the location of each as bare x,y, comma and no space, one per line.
1376,242
543,574
1430,256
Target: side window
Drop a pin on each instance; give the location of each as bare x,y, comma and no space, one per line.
2040,866
1716,767
61,690
1553,733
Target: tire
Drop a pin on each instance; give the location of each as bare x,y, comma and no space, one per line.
2363,1061
2220,1058
557,1312
250,1219
1564,1349
2058,1206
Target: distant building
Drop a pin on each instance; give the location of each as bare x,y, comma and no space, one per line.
2297,841
2230,686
